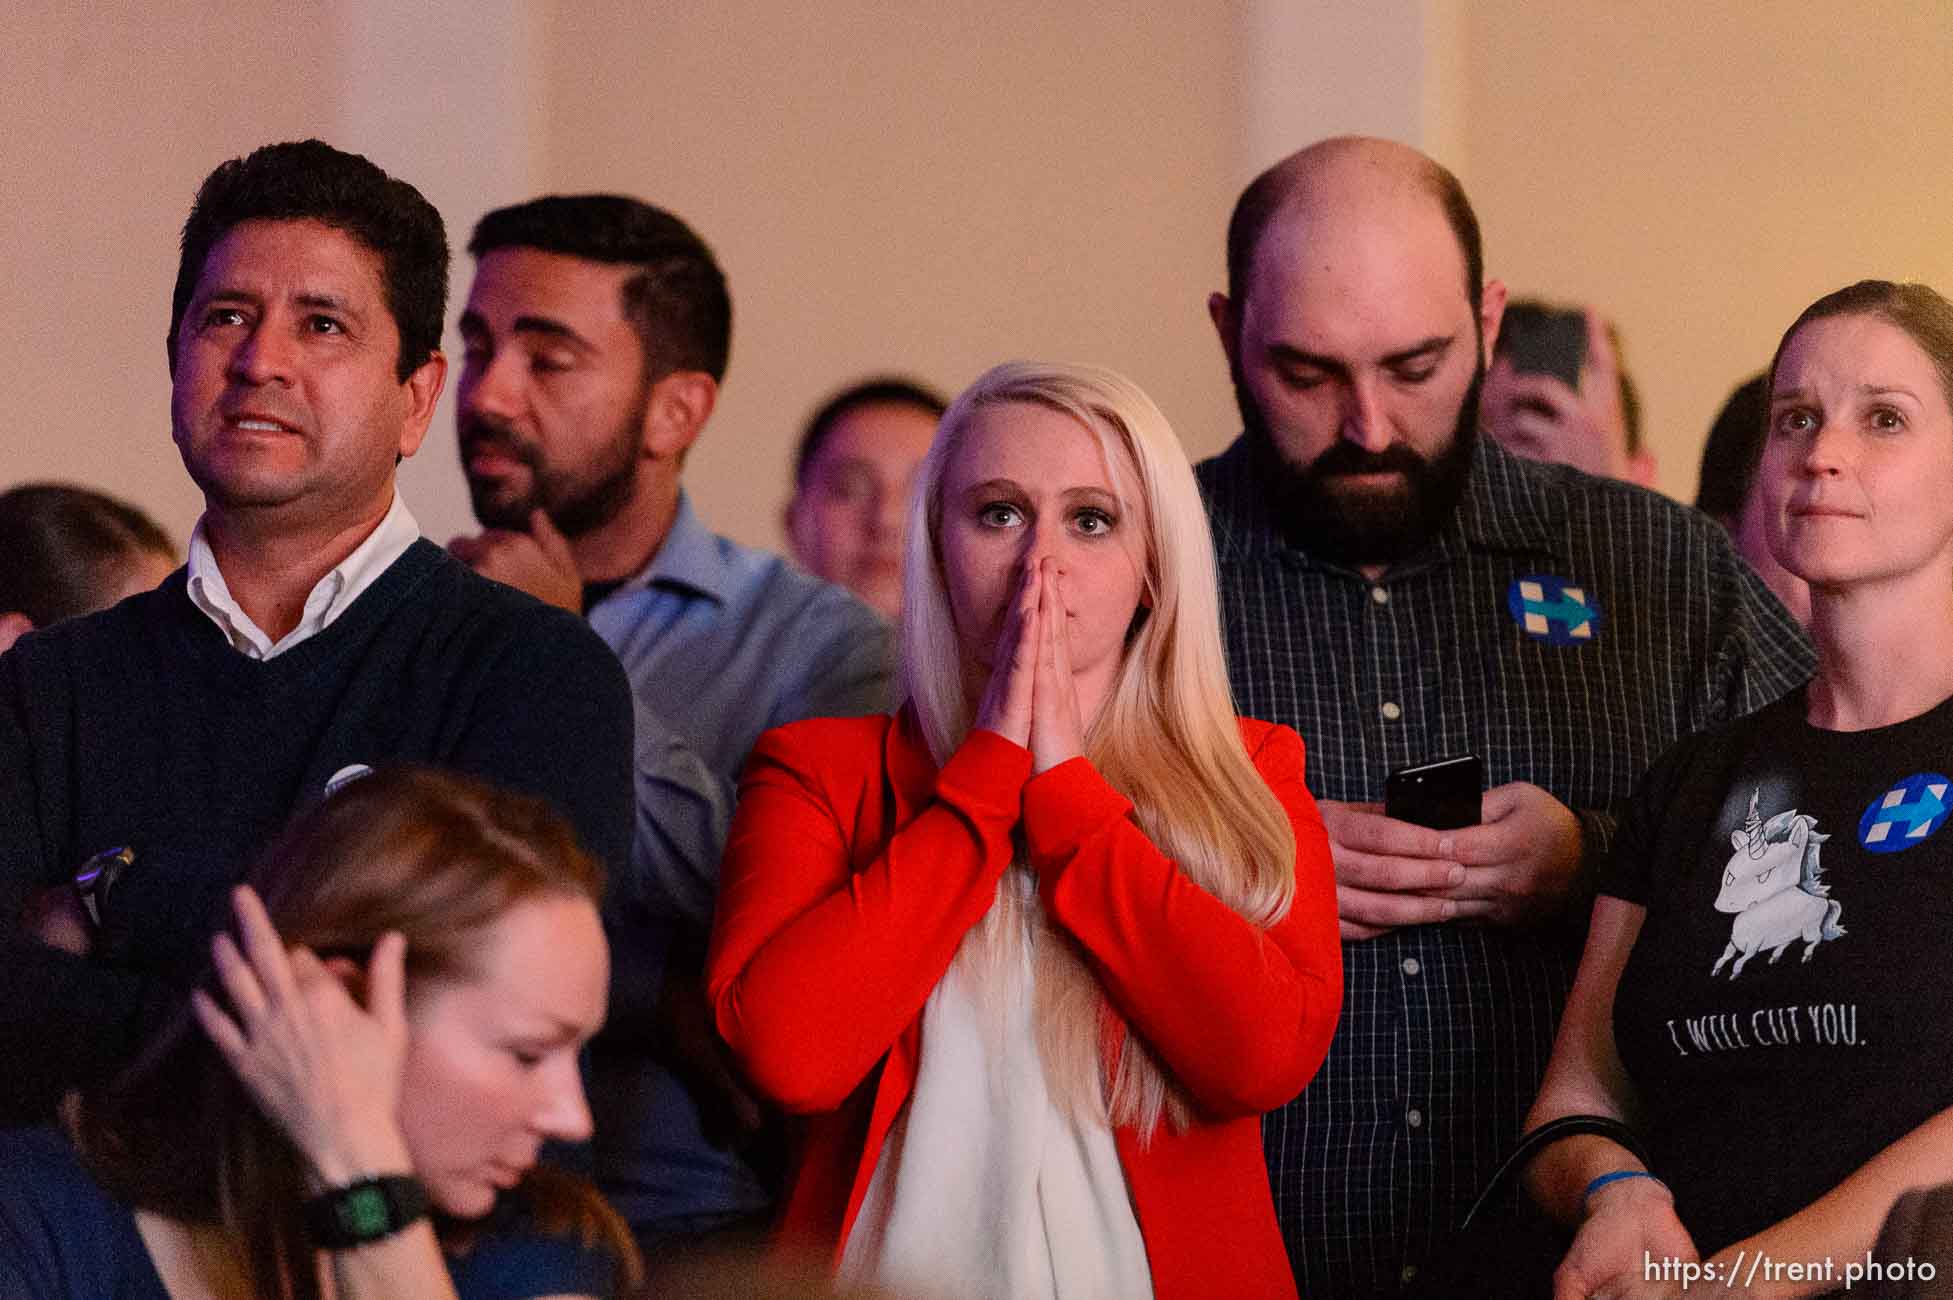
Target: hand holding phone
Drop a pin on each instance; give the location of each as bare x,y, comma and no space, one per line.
1540,340
1442,794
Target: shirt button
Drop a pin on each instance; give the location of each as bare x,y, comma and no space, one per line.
1410,966
1379,595
1392,710
1415,1118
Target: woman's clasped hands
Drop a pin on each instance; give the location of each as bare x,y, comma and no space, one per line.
1032,697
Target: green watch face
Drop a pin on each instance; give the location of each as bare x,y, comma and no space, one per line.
363,1212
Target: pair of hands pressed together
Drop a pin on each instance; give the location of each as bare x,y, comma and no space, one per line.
538,562
325,1069
1032,698
1514,868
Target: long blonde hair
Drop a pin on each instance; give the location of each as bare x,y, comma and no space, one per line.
1166,736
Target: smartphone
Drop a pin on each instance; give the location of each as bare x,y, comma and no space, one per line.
1545,341
1442,794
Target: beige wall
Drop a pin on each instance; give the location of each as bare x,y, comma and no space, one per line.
934,191
930,194
930,189
1703,172
109,124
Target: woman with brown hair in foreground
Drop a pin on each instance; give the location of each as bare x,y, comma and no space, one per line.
392,1029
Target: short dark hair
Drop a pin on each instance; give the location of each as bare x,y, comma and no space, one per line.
884,390
1735,444
309,180
1918,309
1265,195
677,302
68,548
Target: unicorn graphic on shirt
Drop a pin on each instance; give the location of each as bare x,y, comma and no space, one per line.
1774,883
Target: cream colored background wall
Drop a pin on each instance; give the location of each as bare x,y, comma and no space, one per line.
926,193
934,191
930,189
1704,171
105,130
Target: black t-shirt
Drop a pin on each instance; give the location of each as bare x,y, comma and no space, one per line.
1783,1015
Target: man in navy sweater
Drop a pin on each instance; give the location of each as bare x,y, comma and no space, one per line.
312,634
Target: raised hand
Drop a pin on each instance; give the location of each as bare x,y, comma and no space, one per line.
1006,705
1541,416
322,1067
1057,729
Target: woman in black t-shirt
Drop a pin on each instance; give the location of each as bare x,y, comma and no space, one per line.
1757,994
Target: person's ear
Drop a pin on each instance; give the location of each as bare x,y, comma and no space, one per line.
1491,314
13,626
1641,468
1227,324
676,410
790,517
423,392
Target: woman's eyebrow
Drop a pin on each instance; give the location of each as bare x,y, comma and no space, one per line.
993,485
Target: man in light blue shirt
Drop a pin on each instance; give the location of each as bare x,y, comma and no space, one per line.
596,335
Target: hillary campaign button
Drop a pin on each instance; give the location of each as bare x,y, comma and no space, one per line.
1555,610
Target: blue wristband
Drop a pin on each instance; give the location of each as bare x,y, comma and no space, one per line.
1615,1177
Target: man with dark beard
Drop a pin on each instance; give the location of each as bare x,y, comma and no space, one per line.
1399,589
596,333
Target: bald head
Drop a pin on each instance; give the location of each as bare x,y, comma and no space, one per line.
1356,325
1351,179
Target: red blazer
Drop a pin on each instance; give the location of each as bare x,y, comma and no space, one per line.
855,868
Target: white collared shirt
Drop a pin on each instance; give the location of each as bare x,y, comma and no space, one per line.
331,596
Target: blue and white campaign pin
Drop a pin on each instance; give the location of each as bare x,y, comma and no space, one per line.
344,777
1553,609
1906,814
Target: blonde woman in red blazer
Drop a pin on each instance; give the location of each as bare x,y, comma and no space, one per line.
1032,955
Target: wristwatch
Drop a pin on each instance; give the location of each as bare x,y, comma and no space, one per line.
96,879
369,1210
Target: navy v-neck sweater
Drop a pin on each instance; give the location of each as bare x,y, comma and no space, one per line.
141,726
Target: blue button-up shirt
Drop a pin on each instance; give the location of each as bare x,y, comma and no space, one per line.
721,642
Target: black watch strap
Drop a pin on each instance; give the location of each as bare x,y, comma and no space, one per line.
369,1210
